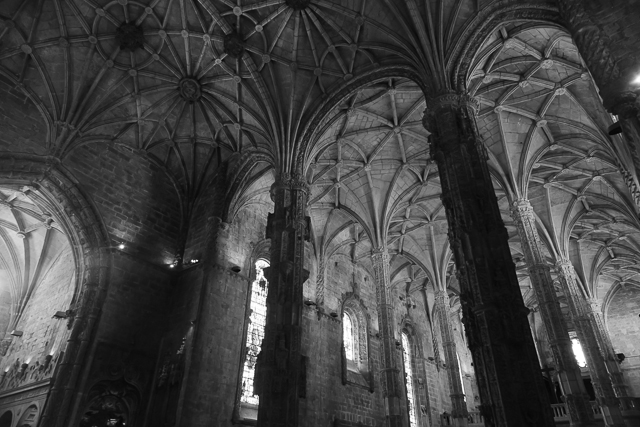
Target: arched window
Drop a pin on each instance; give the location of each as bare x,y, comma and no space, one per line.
408,372
347,332
356,362
255,332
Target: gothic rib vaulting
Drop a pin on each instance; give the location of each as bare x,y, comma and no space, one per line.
397,213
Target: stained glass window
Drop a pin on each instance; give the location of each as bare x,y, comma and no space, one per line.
347,332
406,356
577,351
255,331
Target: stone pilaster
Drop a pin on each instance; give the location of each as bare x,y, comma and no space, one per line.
279,371
198,387
507,369
577,400
458,404
588,334
390,373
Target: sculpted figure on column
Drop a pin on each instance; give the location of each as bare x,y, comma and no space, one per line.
458,404
495,317
577,400
588,335
390,373
280,369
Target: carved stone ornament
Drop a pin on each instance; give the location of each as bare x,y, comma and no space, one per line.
190,89
233,45
298,4
130,37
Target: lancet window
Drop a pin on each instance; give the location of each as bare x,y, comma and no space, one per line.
578,352
349,341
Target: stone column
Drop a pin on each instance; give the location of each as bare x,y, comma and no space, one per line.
495,317
390,373
458,404
198,386
576,396
280,369
588,334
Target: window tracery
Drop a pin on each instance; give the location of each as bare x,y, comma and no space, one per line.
255,332
408,372
348,339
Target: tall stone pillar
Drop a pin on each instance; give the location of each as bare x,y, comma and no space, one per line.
458,404
573,388
588,334
495,317
390,373
280,369
199,386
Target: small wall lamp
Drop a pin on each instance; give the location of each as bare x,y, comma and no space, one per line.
60,315
17,333
309,303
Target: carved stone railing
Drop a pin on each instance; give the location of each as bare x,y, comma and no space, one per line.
474,419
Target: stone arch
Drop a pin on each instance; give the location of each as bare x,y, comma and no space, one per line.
29,417
357,311
483,24
341,93
50,186
111,400
6,419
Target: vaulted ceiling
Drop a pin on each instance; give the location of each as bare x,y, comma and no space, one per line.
189,84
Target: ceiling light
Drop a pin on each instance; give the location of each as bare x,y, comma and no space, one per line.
121,246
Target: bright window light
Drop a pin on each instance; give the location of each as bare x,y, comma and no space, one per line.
577,351
636,81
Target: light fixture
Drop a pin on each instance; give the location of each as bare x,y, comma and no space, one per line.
309,303
236,269
121,246
23,367
17,333
60,315
334,314
47,360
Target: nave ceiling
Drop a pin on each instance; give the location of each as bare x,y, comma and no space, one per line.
207,81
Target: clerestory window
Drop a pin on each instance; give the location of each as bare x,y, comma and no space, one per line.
255,332
408,372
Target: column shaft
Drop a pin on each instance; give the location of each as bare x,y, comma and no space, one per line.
588,332
458,404
390,374
279,366
577,400
198,387
505,360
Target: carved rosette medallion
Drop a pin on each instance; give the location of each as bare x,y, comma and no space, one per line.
130,37
233,45
190,89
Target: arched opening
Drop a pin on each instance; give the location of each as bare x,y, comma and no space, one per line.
6,419
29,418
38,278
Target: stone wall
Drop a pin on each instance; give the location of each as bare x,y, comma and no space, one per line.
623,324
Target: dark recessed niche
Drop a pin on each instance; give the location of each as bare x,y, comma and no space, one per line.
236,269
